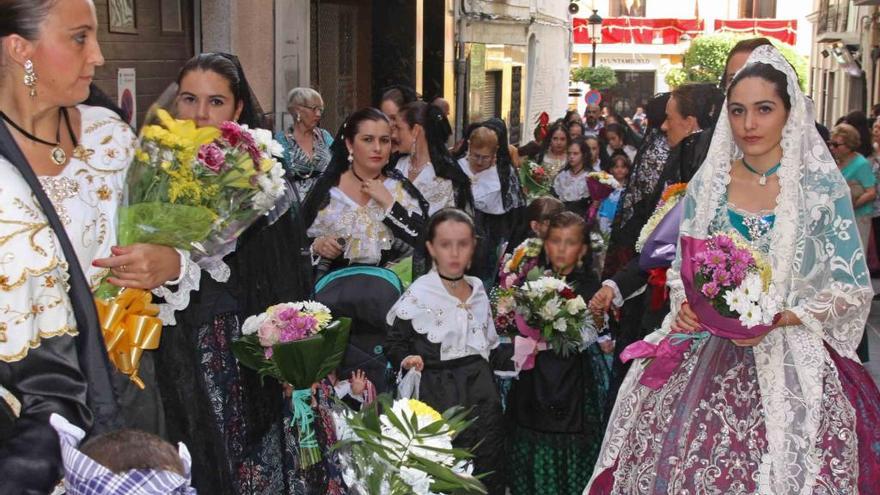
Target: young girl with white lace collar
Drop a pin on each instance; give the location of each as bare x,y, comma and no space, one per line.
442,327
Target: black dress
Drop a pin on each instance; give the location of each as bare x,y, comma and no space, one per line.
458,353
557,412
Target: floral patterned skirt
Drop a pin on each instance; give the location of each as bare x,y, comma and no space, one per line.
703,432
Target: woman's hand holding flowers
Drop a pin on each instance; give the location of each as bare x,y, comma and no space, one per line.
141,266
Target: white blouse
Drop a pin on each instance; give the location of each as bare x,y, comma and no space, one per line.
486,188
362,227
34,304
437,191
461,328
571,187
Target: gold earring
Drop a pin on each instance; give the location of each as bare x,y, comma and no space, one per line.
30,77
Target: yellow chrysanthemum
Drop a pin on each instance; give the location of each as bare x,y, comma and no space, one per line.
421,409
142,156
323,318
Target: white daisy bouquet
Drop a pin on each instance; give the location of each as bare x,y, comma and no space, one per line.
549,310
404,448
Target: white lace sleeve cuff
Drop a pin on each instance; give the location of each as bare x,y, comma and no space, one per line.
184,262
618,297
177,300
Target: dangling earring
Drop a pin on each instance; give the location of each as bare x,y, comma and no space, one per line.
412,151
30,77
298,118
350,158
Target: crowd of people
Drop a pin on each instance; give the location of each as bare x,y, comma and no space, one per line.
391,197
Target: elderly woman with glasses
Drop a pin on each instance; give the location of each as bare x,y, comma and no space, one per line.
856,170
306,146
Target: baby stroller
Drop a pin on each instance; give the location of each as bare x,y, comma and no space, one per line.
365,294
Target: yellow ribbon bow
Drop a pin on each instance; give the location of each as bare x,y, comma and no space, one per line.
130,327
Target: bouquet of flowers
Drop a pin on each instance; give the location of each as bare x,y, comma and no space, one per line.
297,343
516,268
728,286
670,197
549,314
406,449
600,185
198,189
190,188
535,180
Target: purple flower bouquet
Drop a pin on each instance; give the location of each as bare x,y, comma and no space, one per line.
728,287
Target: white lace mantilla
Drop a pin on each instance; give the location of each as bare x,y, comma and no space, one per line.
362,227
485,187
460,328
437,191
34,304
571,187
817,263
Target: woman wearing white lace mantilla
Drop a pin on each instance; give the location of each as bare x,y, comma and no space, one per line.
788,412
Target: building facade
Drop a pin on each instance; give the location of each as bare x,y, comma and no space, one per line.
844,69
642,40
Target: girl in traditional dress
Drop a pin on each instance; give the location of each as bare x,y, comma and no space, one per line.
789,411
442,327
570,186
557,406
553,155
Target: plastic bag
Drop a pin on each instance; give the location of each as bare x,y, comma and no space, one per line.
408,385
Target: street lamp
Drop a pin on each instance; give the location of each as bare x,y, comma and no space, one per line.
594,25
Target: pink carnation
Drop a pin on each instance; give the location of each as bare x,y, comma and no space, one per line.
269,333
212,157
238,137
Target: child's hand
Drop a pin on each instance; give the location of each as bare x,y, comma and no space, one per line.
358,382
607,346
411,362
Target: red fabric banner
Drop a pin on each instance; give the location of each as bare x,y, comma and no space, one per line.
639,30
783,30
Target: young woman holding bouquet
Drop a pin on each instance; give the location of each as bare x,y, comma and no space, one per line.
553,155
799,411
233,423
557,406
442,327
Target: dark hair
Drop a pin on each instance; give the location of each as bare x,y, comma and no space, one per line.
353,123
616,129
700,100
568,115
618,157
768,73
576,123
543,208
123,450
556,126
448,214
399,94
436,128
743,46
585,152
228,67
655,110
23,17
566,219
